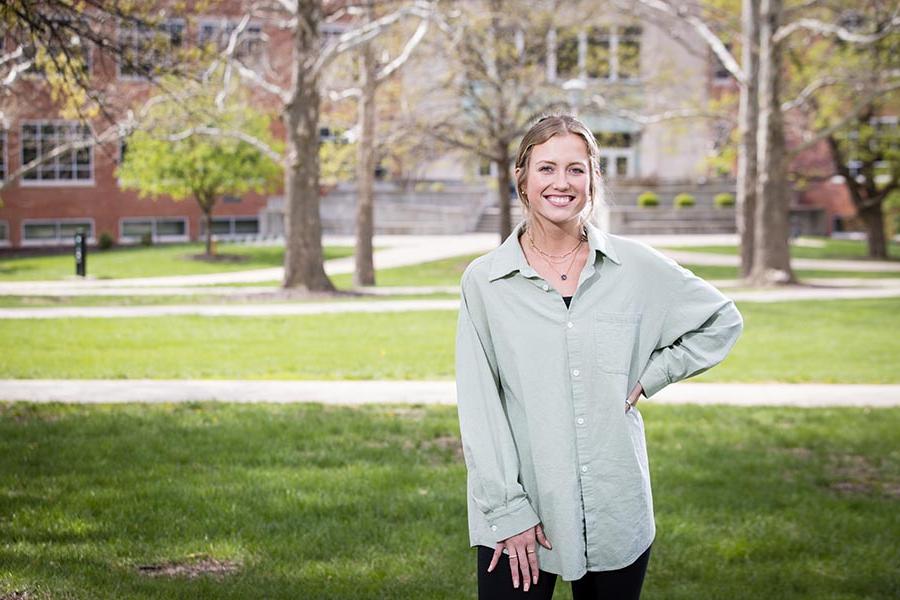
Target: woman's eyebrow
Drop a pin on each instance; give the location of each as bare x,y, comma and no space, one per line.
574,162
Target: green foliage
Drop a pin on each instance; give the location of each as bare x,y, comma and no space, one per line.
105,241
723,200
337,162
164,161
684,200
648,200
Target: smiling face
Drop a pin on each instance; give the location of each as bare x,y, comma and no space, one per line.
558,179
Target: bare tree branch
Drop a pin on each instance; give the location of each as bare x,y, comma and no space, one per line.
712,40
842,33
857,109
350,39
228,133
404,55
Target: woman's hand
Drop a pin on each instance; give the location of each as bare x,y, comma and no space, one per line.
633,396
522,555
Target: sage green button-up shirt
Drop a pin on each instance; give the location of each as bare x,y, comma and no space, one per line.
541,393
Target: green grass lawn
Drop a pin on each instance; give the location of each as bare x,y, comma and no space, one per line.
832,249
156,261
73,301
312,501
835,341
711,272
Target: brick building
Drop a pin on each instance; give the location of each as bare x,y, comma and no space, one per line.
634,60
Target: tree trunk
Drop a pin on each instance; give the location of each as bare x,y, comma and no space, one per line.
207,222
865,198
748,122
873,218
503,179
303,259
771,251
364,272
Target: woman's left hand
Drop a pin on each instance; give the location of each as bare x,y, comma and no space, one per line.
633,396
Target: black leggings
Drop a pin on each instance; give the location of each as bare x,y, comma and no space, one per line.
621,584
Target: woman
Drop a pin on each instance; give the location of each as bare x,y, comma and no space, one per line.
561,328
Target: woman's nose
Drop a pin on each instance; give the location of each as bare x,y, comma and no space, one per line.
561,181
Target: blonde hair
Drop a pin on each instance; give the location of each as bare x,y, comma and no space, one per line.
544,129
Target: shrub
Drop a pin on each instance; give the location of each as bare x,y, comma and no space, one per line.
723,200
684,200
147,239
648,200
105,241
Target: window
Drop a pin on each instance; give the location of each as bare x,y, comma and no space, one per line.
598,62
534,47
40,139
567,43
4,234
871,147
600,52
47,232
144,48
618,154
629,53
234,226
62,45
163,229
218,34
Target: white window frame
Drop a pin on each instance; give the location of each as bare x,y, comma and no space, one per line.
616,34
57,222
130,239
232,234
52,182
149,32
252,34
4,241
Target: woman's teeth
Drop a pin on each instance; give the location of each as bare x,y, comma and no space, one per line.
559,200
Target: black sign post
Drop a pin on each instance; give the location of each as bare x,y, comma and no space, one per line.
80,254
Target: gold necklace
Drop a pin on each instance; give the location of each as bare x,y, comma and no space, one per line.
547,255
565,275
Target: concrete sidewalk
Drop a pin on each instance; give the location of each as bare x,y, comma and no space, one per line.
418,392
882,289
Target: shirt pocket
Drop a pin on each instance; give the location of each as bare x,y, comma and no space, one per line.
614,340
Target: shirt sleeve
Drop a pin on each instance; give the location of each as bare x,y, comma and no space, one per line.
699,329
488,445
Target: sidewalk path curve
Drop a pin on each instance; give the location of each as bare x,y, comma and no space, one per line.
417,392
883,289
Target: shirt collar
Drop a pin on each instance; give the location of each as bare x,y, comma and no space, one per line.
508,257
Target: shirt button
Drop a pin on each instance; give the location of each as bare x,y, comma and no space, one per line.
584,469
576,372
493,528
580,421
545,287
570,324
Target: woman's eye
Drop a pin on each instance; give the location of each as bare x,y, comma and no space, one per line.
545,169
578,171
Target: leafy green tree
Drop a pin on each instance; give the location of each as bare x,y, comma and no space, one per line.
195,149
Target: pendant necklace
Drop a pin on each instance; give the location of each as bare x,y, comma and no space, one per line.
565,275
547,257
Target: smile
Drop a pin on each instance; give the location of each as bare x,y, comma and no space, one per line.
559,200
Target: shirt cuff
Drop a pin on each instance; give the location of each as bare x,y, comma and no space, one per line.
512,519
654,379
